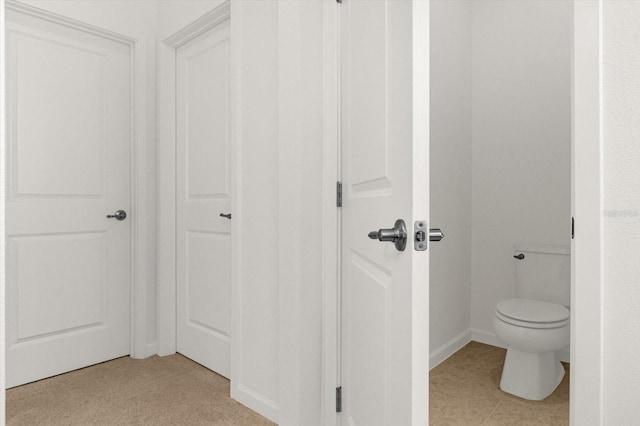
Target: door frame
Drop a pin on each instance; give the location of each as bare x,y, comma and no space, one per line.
167,175
587,314
586,381
139,188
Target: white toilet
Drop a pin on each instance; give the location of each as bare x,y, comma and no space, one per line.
535,325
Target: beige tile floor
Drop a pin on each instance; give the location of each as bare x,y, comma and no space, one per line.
465,390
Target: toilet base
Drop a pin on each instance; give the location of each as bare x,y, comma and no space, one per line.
532,376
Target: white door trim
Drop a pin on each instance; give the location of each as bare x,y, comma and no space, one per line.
330,216
2,216
138,167
586,274
166,297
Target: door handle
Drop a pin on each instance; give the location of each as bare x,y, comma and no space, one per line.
397,235
228,215
119,215
435,234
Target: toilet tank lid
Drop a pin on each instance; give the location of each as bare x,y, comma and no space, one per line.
533,310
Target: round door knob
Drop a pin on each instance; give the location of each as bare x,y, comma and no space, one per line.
396,235
119,215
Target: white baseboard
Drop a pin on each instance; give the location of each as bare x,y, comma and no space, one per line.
152,349
486,337
449,348
489,338
255,401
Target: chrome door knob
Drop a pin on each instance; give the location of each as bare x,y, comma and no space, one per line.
119,215
396,235
435,234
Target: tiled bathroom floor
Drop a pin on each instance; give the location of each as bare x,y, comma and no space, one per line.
465,390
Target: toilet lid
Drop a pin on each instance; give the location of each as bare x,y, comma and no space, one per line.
533,311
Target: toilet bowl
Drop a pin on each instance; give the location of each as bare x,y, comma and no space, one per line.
534,331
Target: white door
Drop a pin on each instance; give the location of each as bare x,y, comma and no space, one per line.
385,169
203,194
68,143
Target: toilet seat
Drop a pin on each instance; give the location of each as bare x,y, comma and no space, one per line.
532,313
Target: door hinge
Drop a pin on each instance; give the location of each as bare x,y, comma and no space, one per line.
339,399
339,194
573,227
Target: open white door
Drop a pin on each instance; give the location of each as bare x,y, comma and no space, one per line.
203,245
385,171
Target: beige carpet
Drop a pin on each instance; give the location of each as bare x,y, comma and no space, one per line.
465,391
171,390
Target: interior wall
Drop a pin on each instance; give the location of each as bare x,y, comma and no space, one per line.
450,259
173,15
521,105
278,338
621,216
137,19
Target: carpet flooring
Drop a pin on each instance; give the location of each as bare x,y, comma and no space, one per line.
465,391
171,390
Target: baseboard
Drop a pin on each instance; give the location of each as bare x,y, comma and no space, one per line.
152,349
443,352
489,338
486,337
255,401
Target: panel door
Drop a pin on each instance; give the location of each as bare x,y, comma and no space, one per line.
68,144
384,136
203,193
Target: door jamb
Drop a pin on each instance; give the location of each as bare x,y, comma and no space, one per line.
330,216
586,405
167,279
137,170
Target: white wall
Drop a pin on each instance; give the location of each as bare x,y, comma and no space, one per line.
521,141
173,15
278,340
621,221
450,271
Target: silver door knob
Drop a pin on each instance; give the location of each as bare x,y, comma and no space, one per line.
435,234
396,235
119,215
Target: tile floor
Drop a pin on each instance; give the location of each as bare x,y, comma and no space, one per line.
465,390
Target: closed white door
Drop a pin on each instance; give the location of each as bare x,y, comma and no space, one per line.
385,169
203,194
68,144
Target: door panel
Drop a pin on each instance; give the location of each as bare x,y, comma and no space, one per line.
68,144
384,331
203,192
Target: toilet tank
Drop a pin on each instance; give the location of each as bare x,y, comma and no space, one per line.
544,273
